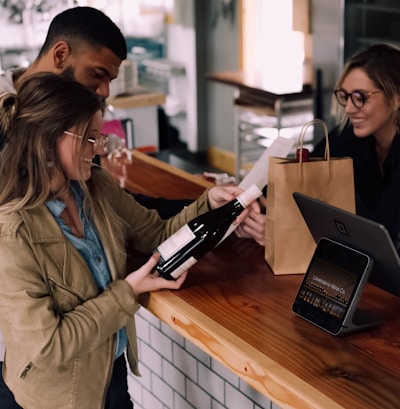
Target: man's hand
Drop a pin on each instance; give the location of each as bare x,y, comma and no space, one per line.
253,226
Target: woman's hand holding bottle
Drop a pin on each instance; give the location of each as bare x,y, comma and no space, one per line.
146,279
193,240
229,204
221,195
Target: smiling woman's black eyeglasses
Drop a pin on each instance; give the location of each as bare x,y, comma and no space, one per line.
358,98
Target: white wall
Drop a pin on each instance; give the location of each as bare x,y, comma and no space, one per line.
222,54
181,48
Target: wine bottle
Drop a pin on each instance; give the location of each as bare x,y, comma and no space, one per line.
303,154
192,241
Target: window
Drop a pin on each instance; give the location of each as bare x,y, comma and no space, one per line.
271,48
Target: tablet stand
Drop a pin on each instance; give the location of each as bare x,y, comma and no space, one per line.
358,319
332,287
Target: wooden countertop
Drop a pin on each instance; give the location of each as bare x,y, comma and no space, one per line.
237,311
152,177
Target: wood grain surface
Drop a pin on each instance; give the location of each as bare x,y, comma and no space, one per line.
235,309
149,176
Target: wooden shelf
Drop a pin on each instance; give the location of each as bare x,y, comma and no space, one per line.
139,99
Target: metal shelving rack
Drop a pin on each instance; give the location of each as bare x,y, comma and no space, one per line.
258,125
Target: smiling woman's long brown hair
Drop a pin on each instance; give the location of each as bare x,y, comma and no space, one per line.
31,122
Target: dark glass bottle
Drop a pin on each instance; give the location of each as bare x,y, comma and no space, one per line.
192,241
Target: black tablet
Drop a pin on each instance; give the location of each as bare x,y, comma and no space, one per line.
365,235
331,288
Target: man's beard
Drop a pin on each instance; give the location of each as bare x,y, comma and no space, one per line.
69,73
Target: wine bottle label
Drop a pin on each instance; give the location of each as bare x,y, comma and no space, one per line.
176,242
249,195
183,267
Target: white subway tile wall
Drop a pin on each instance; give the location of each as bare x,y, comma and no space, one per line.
176,374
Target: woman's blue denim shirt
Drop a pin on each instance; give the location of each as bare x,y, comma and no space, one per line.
90,248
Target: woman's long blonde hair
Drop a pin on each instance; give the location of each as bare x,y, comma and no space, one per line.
381,63
31,123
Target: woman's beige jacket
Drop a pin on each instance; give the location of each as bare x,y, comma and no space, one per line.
59,332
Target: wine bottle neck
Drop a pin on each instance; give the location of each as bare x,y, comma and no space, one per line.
249,195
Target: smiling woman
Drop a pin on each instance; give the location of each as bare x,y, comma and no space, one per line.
368,97
98,143
64,225
358,98
77,158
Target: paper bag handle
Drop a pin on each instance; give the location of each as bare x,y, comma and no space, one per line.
300,142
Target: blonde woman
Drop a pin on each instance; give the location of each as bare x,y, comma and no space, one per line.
368,95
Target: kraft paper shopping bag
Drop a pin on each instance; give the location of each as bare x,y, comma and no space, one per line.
289,245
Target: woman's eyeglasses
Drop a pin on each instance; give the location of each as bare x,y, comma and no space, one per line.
358,98
100,142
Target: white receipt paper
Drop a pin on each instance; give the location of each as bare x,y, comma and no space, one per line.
258,174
